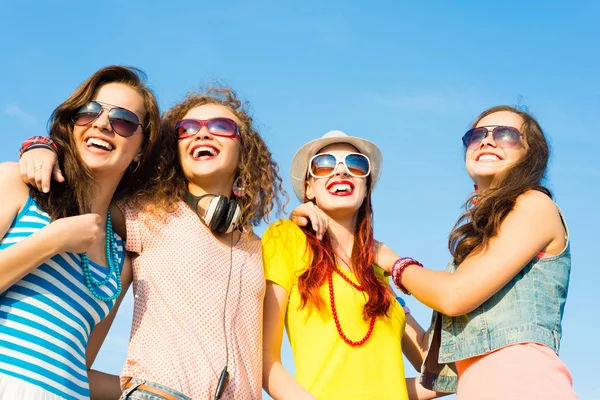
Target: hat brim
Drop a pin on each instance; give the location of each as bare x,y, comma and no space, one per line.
299,167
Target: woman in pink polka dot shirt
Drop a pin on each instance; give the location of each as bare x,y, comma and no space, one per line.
197,270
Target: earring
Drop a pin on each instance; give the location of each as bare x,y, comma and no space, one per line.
474,199
238,188
137,165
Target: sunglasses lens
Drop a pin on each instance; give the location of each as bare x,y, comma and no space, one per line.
357,164
124,122
507,136
187,128
222,127
86,114
323,165
474,136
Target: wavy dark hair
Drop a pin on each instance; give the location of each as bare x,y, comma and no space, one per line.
363,258
74,196
257,169
482,218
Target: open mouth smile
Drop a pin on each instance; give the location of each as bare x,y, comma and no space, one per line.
341,188
204,152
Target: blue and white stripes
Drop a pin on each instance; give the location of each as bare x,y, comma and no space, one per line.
46,318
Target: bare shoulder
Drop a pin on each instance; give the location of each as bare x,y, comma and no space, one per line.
12,186
538,209
13,192
536,204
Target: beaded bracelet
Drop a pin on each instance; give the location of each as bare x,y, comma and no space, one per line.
37,142
398,268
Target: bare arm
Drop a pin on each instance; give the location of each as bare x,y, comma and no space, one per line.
418,392
276,380
414,343
21,258
414,347
534,225
75,234
105,386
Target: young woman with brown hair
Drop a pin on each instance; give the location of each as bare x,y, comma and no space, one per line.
63,270
500,302
197,271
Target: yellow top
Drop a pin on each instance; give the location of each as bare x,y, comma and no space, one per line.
327,366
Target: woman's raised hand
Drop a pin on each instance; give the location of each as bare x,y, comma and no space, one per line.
38,167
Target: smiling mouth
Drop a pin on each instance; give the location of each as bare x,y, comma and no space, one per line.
204,152
488,157
99,144
340,188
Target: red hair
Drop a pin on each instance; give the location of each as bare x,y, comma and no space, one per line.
363,257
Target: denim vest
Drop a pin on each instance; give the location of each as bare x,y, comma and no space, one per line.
528,309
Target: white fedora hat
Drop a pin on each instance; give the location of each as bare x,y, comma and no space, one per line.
299,168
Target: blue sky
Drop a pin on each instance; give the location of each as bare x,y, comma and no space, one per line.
410,76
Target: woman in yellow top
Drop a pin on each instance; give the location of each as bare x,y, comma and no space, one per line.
345,328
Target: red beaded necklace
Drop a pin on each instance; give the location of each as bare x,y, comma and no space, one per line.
334,311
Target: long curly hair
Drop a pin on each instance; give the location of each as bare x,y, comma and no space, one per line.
363,258
263,187
73,197
482,218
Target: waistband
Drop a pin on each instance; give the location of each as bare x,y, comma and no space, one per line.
141,386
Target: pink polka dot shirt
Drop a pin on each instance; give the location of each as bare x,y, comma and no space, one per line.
180,276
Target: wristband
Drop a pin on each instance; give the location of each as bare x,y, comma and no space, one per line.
39,142
399,267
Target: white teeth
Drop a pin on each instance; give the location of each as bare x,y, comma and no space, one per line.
211,150
489,157
340,188
99,142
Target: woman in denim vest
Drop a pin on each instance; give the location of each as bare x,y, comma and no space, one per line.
499,304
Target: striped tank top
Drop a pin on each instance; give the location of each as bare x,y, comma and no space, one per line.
46,318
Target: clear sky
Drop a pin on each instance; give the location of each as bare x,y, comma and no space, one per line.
410,76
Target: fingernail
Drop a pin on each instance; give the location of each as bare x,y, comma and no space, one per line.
45,189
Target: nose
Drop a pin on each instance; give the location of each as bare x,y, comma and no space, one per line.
341,169
488,139
203,133
102,122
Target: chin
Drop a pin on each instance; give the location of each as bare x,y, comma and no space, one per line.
340,209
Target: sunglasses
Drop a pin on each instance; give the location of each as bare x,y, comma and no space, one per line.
122,121
324,165
504,136
219,126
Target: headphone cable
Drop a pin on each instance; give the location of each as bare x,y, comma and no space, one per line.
224,378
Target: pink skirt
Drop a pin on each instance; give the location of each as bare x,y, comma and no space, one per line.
519,372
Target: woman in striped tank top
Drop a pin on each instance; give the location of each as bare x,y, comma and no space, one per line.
198,278
63,271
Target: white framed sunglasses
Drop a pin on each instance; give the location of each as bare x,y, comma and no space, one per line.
323,165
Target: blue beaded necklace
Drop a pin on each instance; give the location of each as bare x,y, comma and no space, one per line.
113,266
